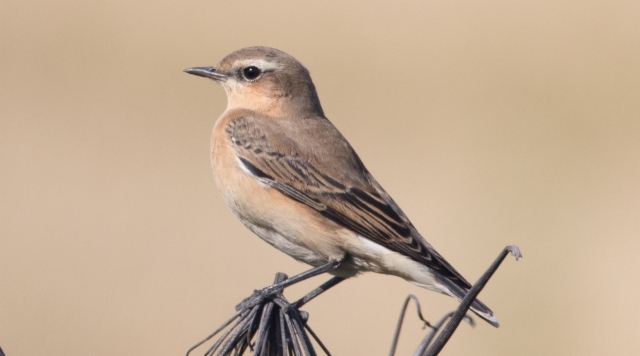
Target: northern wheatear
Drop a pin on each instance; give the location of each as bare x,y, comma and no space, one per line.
290,176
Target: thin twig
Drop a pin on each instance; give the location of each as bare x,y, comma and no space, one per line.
262,330
304,339
455,320
434,329
315,337
239,331
224,336
293,336
396,336
226,323
283,333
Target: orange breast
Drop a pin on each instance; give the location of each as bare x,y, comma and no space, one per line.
265,210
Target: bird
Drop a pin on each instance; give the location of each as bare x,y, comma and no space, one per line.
294,180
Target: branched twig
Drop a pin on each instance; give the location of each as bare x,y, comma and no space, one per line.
277,326
429,337
396,335
456,317
434,328
224,325
453,323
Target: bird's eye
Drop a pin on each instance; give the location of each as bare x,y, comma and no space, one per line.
251,73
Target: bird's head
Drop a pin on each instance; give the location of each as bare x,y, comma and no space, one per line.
265,80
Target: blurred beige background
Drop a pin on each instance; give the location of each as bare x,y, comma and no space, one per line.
490,123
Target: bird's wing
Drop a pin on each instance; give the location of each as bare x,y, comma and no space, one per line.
340,188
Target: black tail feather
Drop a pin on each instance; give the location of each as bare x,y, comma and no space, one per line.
477,306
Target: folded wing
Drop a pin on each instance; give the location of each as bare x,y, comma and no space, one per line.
357,202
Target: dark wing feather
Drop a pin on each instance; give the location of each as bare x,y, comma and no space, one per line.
360,205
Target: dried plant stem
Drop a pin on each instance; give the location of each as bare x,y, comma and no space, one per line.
396,336
279,328
456,318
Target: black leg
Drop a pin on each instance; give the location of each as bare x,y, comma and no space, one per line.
316,292
327,267
259,295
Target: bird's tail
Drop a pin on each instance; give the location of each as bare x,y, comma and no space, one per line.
477,306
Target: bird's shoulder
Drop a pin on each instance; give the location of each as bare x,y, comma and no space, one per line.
305,143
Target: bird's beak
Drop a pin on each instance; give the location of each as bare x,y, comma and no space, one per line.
207,72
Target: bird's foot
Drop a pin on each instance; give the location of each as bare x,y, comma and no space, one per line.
274,292
260,295
256,298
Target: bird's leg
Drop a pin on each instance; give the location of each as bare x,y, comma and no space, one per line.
327,267
259,295
316,292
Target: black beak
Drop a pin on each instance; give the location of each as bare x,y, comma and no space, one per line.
207,72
